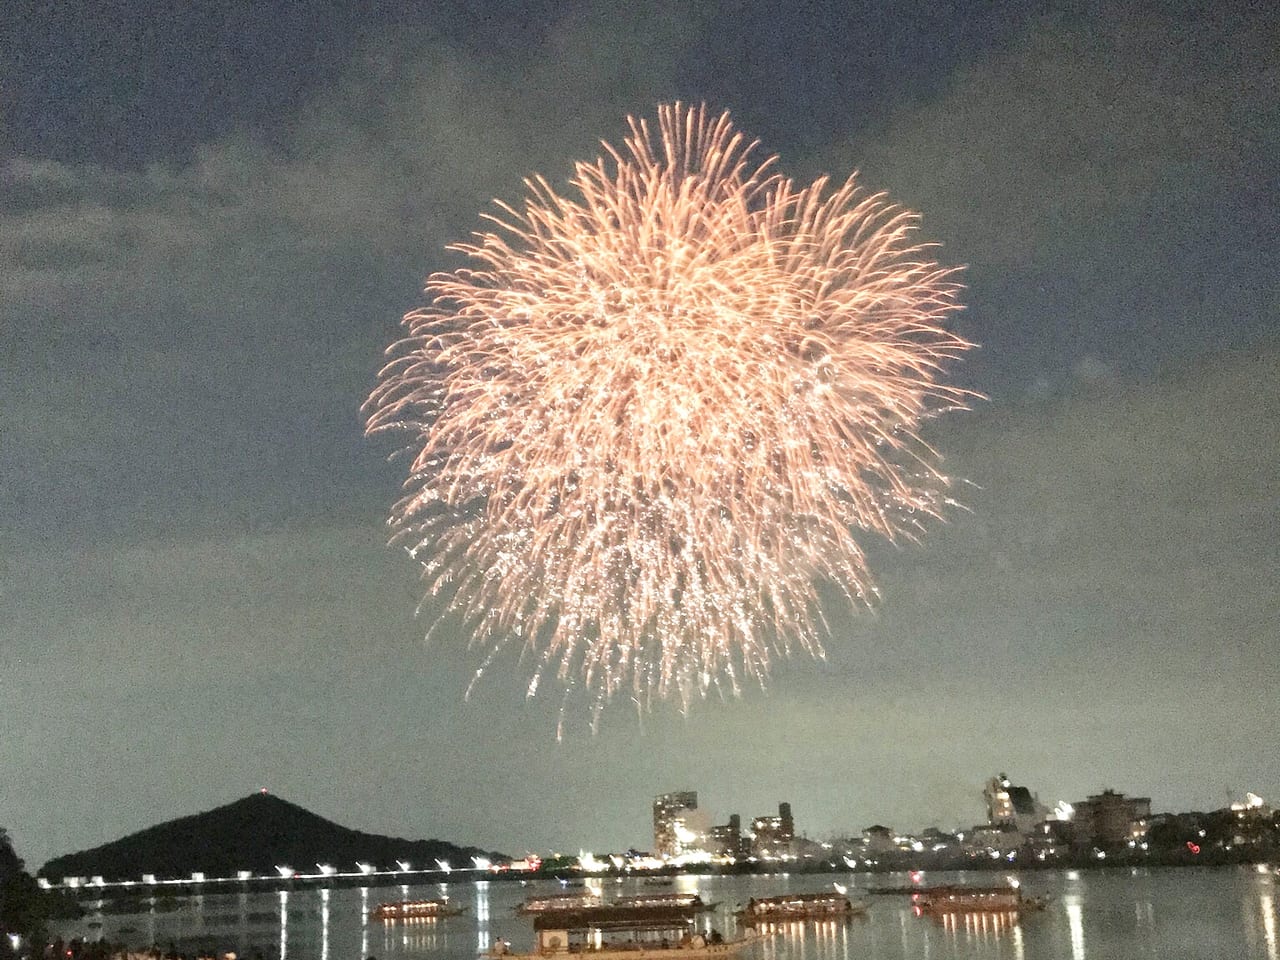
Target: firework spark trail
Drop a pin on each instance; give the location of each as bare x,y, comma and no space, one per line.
653,416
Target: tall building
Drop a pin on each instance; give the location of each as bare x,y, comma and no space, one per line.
671,813
1012,806
773,835
725,839
1111,818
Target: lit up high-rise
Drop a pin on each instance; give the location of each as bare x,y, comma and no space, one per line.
670,813
773,835
1013,806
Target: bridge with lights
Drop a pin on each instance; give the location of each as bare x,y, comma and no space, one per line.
285,876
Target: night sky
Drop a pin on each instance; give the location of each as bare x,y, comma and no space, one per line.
211,222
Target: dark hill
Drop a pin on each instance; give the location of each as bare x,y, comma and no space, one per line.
255,833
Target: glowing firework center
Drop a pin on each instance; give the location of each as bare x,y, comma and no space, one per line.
652,416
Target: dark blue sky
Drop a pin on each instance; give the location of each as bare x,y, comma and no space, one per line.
132,83
211,220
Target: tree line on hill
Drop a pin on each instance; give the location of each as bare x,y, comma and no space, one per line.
255,833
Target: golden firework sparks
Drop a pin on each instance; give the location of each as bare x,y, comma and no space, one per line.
655,414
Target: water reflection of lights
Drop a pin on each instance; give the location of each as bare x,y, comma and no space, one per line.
815,939
1268,906
416,933
284,924
1144,916
1075,922
832,938
324,923
364,921
983,926
775,937
791,928
482,916
979,929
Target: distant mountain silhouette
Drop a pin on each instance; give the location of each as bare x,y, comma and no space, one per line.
256,833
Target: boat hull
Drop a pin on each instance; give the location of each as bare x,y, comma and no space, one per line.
415,910
800,907
978,903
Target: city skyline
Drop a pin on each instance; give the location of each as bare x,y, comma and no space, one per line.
683,831
681,826
213,222
1018,832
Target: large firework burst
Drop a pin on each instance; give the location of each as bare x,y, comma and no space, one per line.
656,413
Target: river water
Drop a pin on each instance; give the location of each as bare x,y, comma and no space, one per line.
1163,914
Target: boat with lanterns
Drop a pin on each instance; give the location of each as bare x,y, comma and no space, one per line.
561,901
416,910
690,901
799,906
961,899
625,931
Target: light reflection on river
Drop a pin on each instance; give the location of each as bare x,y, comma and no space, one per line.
1227,913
